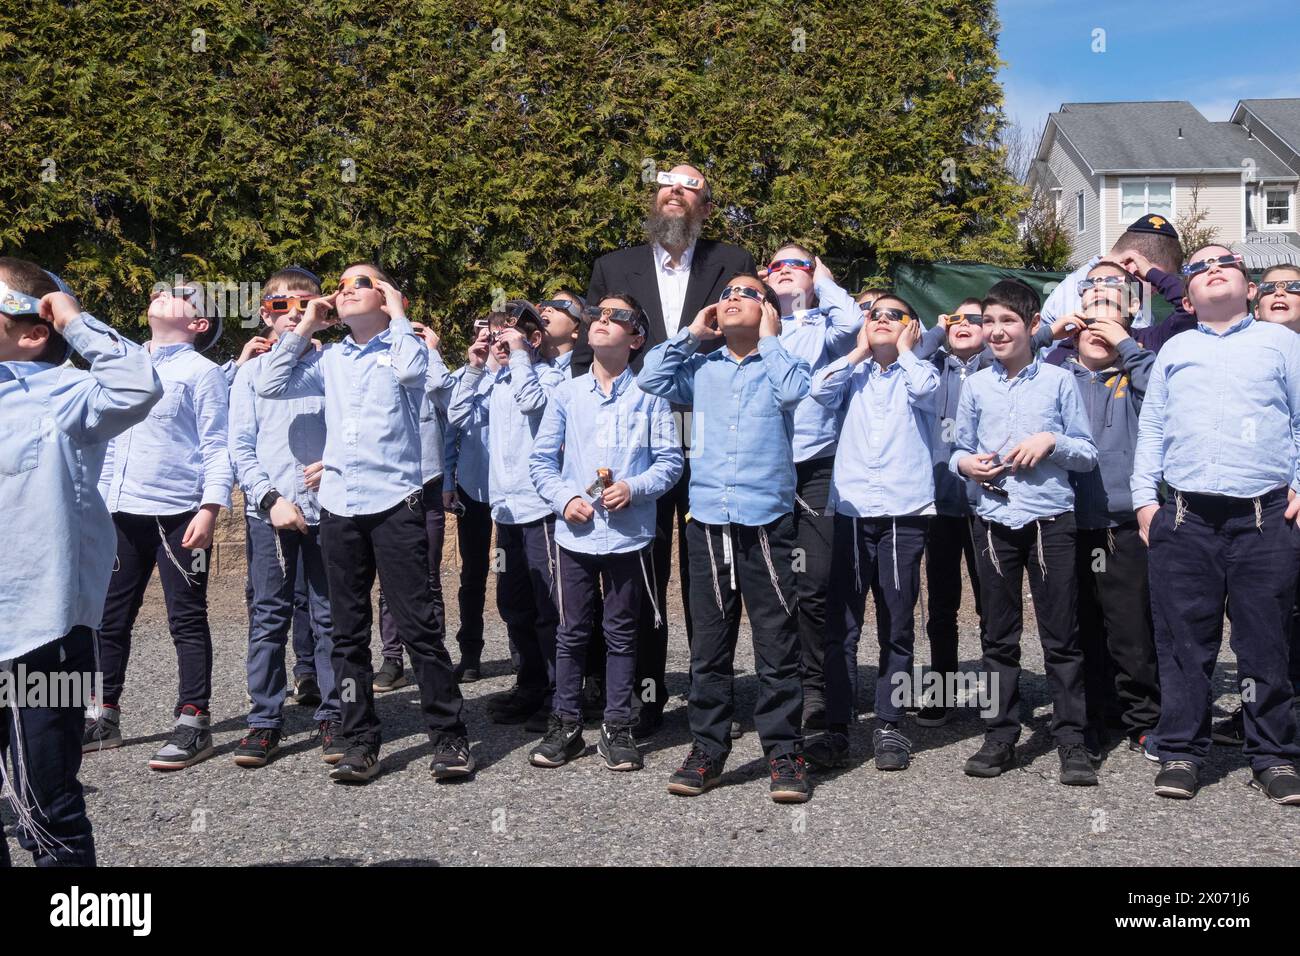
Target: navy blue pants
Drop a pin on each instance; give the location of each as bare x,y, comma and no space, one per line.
474,542
1220,550
578,580
883,556
49,739
947,545
435,526
814,530
526,604
273,579
304,641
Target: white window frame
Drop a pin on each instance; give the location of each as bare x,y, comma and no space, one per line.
1261,220
1146,195
1080,212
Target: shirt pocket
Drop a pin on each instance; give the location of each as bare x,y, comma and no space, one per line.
20,447
758,399
170,403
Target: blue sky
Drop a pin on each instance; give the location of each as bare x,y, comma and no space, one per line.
1207,51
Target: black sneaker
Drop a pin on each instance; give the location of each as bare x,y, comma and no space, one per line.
562,743
358,764
1076,766
699,772
789,779
451,759
648,721
1231,731
735,733
935,716
467,671
539,721
257,747
827,751
992,760
102,731
618,746
190,742
513,708
1177,780
306,691
391,676
893,750
332,747
1280,784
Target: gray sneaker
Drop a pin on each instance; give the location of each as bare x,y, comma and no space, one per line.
391,676
190,742
102,730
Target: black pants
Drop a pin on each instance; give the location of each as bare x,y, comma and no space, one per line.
395,544
474,542
49,739
1046,548
1119,651
526,602
883,556
144,541
814,530
1222,549
948,544
578,582
652,638
435,524
715,609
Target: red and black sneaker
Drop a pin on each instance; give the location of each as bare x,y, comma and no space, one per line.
258,747
789,779
332,748
698,773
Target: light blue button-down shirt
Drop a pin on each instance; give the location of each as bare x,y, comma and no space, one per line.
996,413
273,440
627,431
372,412
465,447
820,336
516,400
884,467
178,458
1221,414
742,424
564,364
55,423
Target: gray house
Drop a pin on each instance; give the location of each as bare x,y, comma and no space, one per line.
1106,164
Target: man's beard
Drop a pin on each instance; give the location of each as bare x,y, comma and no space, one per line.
672,232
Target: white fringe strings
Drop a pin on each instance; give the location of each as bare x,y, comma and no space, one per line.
18,793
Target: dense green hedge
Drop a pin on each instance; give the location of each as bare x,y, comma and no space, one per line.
134,147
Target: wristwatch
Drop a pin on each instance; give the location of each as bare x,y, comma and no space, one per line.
268,499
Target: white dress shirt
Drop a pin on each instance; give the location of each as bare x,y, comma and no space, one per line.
672,286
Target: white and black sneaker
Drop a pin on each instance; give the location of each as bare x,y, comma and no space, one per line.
451,759
358,764
618,747
1280,784
190,742
102,731
562,743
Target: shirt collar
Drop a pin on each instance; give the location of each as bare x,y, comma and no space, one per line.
955,361
162,353
19,370
661,258
616,387
802,316
383,338
563,362
1028,372
1236,327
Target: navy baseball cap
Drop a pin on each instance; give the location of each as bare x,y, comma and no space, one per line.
1156,225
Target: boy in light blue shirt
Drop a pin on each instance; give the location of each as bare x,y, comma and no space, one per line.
741,529
165,480
1021,429
520,390
372,510
54,424
1220,426
819,323
605,452
274,446
882,497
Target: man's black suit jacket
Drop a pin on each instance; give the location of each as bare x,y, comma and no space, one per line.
633,271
